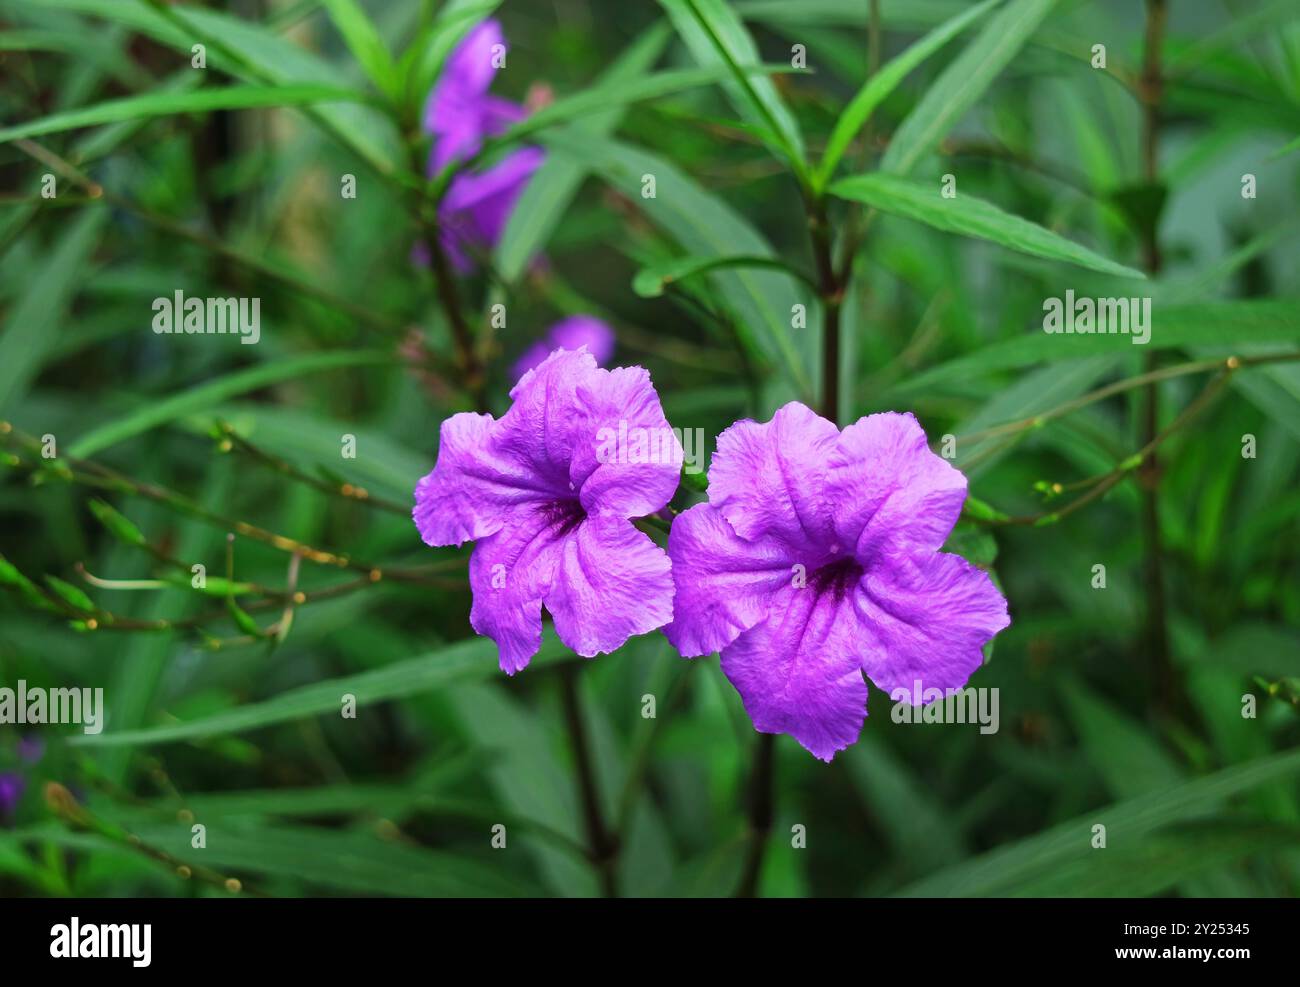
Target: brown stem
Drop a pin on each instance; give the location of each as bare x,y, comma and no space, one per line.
444,279
761,811
602,845
832,295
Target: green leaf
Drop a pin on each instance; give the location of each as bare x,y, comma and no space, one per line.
1159,861
1270,650
30,326
549,192
71,594
622,92
879,86
424,59
650,282
974,543
1030,861
200,398
158,104
213,586
1224,326
243,620
257,55
348,861
704,225
471,659
118,525
716,36
971,217
1286,149
963,82
11,576
365,43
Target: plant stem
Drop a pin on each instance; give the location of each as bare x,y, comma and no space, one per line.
761,810
602,845
448,293
832,296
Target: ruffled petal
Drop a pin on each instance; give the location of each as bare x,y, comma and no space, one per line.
545,422
798,671
626,458
473,487
891,493
611,582
929,618
725,584
510,573
767,478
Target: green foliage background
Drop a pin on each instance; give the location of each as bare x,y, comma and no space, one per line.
168,180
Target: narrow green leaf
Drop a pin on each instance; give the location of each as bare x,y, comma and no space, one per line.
716,36
156,413
621,92
30,328
971,217
704,225
158,104
117,523
365,43
243,620
71,594
471,659
549,192
423,60
974,543
1224,326
650,282
349,861
212,586
963,82
1127,823
11,576
879,86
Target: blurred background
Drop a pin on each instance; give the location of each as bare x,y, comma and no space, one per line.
1162,705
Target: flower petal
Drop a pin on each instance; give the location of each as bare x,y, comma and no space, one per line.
472,487
798,671
767,478
725,584
626,459
891,494
545,421
509,574
611,582
929,618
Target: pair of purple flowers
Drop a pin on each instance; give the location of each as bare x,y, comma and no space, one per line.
814,561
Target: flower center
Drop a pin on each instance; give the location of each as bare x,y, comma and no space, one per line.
564,515
836,577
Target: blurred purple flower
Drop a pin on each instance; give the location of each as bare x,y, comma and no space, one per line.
460,113
550,508
817,560
11,790
30,748
572,333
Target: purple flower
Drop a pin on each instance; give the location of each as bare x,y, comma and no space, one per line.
547,492
459,114
11,790
30,748
817,560
572,333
